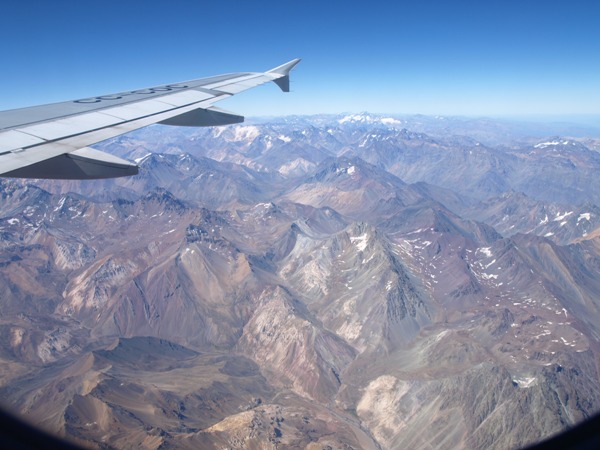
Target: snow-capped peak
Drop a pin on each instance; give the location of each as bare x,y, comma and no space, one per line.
368,118
138,161
553,143
245,133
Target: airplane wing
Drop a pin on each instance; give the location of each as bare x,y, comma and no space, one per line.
51,141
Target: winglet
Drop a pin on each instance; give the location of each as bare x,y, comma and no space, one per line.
284,81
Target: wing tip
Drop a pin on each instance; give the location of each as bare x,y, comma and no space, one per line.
283,81
286,68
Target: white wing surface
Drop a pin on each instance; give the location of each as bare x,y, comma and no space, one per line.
51,141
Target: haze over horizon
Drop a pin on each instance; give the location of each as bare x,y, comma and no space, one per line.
461,58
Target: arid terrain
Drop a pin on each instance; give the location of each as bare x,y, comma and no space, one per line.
324,282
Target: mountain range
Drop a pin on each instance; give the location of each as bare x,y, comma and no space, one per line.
310,282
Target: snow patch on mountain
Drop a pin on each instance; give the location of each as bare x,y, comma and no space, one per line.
360,241
546,144
583,216
525,382
486,251
368,119
560,217
138,161
553,143
245,133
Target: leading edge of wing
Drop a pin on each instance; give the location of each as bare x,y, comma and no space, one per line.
16,118
29,136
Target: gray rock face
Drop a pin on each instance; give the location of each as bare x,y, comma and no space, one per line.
284,285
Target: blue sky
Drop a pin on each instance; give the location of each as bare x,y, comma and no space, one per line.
431,57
